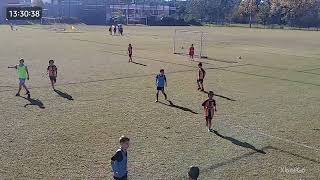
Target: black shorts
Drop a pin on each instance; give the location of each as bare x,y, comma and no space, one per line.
209,117
121,178
53,78
200,80
130,55
160,88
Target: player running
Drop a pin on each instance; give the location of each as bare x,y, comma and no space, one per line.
52,70
210,108
23,74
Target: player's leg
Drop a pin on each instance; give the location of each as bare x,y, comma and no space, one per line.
25,87
209,124
52,83
201,83
157,95
207,120
165,95
198,83
18,93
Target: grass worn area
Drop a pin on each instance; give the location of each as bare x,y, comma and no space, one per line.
267,101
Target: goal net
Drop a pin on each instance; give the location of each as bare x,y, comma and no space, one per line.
137,21
183,39
53,24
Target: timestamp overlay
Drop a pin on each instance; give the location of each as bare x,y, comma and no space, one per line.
24,13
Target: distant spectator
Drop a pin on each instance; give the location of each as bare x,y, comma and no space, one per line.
114,29
110,30
193,173
120,29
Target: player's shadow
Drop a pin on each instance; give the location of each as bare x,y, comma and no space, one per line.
224,97
178,107
138,63
64,95
239,143
34,102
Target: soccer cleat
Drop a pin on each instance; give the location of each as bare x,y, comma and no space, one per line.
199,89
156,101
17,94
28,92
209,130
28,95
202,89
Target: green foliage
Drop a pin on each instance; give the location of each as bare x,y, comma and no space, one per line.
283,12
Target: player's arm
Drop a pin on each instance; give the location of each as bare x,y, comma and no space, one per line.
215,107
204,104
27,73
13,66
165,81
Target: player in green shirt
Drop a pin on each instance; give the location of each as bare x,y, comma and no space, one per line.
23,74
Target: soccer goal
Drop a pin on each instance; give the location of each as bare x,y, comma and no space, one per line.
183,39
138,21
53,24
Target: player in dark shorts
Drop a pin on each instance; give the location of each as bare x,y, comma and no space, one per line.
210,108
201,75
130,52
53,72
161,82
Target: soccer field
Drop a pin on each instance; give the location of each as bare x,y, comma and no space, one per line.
268,105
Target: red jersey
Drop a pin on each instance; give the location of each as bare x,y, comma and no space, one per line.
209,107
202,73
191,51
130,50
52,70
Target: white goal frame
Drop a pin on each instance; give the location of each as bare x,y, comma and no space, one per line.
54,24
181,44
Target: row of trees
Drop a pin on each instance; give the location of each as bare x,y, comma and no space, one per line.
303,13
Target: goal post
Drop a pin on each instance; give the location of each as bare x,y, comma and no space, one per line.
183,39
137,21
53,24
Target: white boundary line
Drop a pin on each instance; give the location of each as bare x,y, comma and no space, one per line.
274,137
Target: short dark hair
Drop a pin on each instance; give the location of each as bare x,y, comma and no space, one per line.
194,172
123,139
51,60
21,59
200,64
161,70
210,93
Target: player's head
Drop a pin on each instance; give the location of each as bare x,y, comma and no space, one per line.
193,173
51,62
210,94
21,61
191,45
161,71
124,142
130,45
200,65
